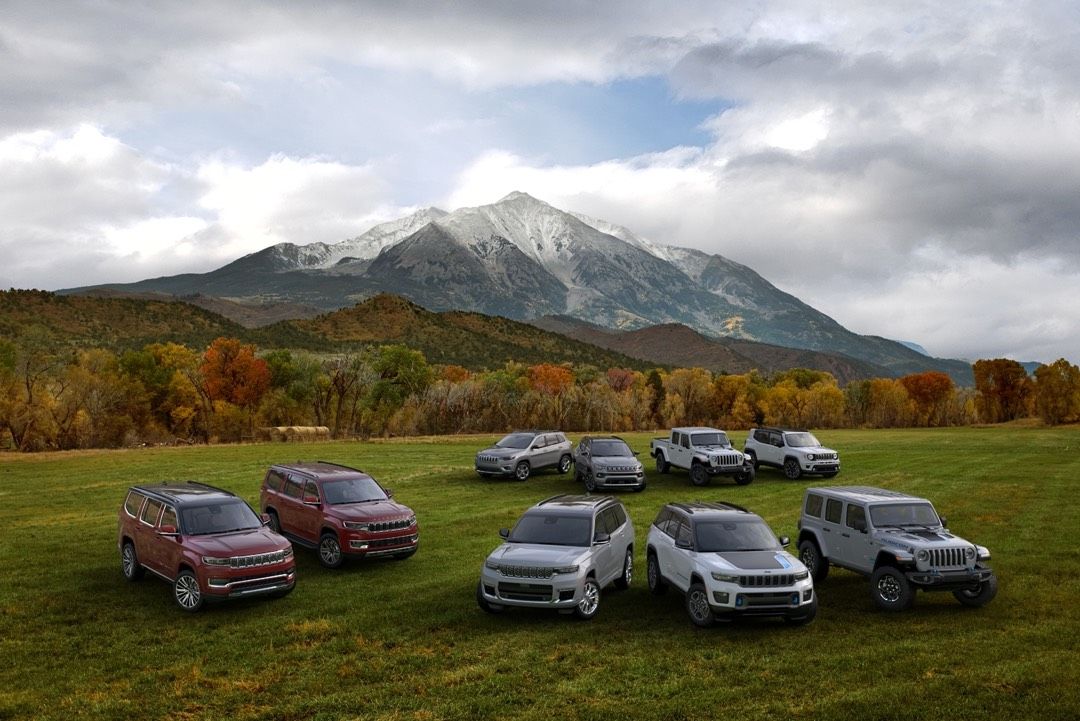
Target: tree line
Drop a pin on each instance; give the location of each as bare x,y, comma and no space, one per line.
166,392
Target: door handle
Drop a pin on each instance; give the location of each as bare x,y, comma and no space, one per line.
827,530
846,535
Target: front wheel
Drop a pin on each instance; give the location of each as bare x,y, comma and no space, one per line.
522,471
815,563
698,475
792,469
129,562
590,481
186,592
745,478
662,465
697,606
275,522
753,459
590,600
484,603
891,590
330,555
656,579
623,581
564,465
979,595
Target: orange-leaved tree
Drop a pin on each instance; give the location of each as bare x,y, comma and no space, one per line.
232,373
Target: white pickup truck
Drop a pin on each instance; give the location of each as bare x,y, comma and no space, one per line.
705,452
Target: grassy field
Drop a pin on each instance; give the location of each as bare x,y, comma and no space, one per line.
405,640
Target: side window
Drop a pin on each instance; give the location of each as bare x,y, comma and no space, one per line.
832,510
761,436
813,505
133,503
620,516
684,440
274,481
855,513
778,440
294,487
168,517
311,491
603,522
150,512
561,438
662,519
538,442
682,535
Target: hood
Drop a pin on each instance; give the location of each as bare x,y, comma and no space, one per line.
919,538
781,561
616,461
536,554
244,543
375,511
497,451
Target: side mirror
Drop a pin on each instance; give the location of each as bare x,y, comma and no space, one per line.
601,537
785,541
310,499
504,532
388,492
944,521
685,545
168,531
265,518
859,525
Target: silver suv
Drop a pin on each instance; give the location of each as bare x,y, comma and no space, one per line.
559,555
898,540
607,462
798,453
520,453
728,563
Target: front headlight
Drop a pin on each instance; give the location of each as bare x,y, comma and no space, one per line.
356,526
725,577
493,565
287,554
802,575
565,569
969,552
922,555
810,456
213,561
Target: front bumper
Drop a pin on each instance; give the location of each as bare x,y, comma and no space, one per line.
620,480
219,585
949,580
730,599
497,468
821,466
561,591
728,470
361,544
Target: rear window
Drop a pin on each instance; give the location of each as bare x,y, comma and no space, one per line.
294,487
813,505
133,503
274,481
833,509
151,511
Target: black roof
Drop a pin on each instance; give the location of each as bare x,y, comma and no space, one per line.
709,508
779,429
320,470
180,494
568,502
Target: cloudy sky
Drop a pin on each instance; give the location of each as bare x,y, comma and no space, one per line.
911,169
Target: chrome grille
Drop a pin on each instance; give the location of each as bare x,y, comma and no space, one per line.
487,459
783,579
381,526
825,456
947,557
525,571
618,469
259,559
727,459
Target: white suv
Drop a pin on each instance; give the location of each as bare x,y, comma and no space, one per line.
798,453
728,563
559,555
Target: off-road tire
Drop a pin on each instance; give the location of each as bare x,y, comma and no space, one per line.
662,466
590,481
815,562
792,470
698,475
745,478
978,596
753,459
891,590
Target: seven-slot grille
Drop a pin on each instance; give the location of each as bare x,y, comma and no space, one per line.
727,459
487,459
525,571
947,557
259,559
618,469
825,456
380,526
781,579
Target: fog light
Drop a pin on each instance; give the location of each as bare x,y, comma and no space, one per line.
721,597
358,545
740,601
219,582
807,594
566,595
794,599
489,590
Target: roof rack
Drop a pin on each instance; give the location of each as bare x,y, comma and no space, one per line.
208,487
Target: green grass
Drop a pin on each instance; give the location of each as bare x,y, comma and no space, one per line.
405,640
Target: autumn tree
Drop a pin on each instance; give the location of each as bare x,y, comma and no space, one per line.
930,393
1005,390
1057,392
233,373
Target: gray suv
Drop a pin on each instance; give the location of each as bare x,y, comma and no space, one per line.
559,555
897,540
520,453
607,462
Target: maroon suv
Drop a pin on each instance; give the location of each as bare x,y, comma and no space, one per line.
206,542
338,510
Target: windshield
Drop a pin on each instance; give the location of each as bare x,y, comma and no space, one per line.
516,440
734,536
709,439
904,514
801,440
611,448
553,530
219,518
352,490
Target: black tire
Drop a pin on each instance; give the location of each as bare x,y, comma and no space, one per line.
698,475
330,555
589,605
590,482
697,606
657,585
564,464
186,592
891,590
792,469
522,471
662,466
753,459
483,602
639,488
815,563
275,522
977,596
129,562
807,617
746,477
623,582
579,477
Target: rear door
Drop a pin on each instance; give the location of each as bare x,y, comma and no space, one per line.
606,561
289,504
148,545
682,558
170,549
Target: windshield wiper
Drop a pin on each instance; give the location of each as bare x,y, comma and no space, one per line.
362,500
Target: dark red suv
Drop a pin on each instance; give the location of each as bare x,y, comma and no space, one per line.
338,510
206,542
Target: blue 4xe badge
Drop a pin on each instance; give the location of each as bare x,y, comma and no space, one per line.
782,560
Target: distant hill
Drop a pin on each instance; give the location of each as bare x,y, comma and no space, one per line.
249,315
677,345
